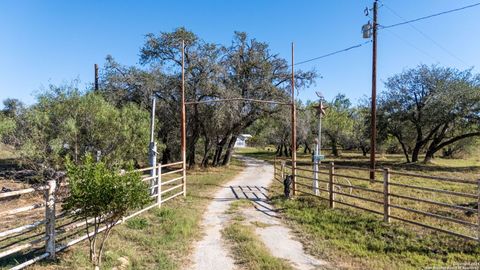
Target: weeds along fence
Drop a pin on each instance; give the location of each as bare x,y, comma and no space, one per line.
33,225
441,204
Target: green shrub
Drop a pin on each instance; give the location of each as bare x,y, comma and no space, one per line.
101,196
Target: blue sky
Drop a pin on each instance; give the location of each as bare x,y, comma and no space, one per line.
46,42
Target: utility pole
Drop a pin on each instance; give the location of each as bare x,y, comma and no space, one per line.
184,132
96,76
373,136
294,129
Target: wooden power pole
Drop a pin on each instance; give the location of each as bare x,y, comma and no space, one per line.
373,136
96,76
294,129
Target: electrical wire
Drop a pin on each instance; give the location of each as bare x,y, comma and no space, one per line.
412,45
430,16
426,36
332,53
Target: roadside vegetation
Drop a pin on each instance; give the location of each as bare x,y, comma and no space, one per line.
160,238
248,250
357,240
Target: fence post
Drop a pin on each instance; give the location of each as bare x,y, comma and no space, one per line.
184,179
478,210
159,185
331,180
386,195
152,162
50,219
275,166
316,168
282,171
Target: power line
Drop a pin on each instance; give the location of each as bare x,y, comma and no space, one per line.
412,45
430,16
426,36
333,53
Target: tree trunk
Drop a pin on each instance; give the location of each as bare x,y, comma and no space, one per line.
405,151
228,154
285,150
279,150
439,146
191,146
206,152
334,148
191,149
166,155
416,152
307,148
219,150
364,151
428,157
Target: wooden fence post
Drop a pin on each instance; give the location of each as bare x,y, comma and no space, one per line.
50,219
282,171
331,180
275,166
159,185
386,195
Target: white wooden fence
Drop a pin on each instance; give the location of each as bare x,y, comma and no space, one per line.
27,235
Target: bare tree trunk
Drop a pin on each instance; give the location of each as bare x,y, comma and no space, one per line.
306,148
334,148
364,151
219,150
166,155
206,152
191,149
228,154
285,150
416,152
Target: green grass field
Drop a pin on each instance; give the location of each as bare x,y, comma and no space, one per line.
357,239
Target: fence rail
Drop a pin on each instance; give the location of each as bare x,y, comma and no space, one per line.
402,196
54,231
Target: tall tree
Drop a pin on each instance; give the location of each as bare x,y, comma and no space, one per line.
67,122
429,107
338,122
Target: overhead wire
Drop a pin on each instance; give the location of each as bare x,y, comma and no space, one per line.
430,16
426,36
412,45
333,53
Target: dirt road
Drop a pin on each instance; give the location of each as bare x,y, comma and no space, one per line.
212,252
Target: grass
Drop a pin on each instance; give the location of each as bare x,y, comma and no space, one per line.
356,240
160,238
359,240
7,152
7,157
249,251
453,168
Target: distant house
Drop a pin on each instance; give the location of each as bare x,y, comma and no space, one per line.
242,140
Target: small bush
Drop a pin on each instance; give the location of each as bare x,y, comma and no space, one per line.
101,196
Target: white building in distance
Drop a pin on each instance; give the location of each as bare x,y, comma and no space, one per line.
242,140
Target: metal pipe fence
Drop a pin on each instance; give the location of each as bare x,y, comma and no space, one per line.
447,205
41,236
